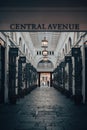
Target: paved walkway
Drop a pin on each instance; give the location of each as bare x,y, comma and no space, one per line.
43,109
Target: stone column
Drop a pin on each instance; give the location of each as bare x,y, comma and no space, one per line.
6,69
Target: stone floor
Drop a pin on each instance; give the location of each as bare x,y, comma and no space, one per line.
43,109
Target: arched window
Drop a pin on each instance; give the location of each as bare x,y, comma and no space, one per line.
37,52
20,41
70,42
63,52
24,48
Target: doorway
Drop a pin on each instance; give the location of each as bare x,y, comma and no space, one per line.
45,79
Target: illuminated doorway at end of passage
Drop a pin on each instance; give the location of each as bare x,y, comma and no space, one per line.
45,79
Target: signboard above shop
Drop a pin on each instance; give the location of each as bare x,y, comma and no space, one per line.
22,59
13,51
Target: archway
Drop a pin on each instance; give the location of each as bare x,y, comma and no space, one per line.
45,73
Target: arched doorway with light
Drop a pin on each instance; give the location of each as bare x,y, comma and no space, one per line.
45,73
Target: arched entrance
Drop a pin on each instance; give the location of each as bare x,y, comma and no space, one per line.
45,73
45,79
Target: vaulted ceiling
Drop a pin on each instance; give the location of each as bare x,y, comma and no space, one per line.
52,38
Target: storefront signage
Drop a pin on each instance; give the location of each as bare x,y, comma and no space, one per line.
14,51
23,59
67,59
76,52
47,27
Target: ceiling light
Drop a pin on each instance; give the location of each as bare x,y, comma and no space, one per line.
44,42
45,58
44,52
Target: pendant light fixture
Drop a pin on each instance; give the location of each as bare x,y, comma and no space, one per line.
44,52
44,43
45,58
